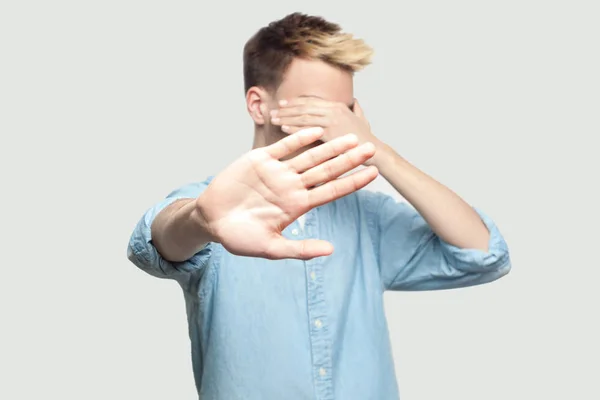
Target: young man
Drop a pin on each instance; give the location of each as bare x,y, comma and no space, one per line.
282,259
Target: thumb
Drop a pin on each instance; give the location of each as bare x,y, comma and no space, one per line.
281,248
358,110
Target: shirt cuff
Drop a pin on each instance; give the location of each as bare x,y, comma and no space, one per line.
142,252
478,261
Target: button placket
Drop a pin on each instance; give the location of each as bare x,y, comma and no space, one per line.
320,347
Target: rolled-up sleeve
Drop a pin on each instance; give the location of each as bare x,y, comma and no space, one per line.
412,257
142,252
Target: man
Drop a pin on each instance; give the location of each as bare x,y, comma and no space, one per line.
283,260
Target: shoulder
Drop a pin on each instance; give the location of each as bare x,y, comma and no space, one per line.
383,208
359,206
371,201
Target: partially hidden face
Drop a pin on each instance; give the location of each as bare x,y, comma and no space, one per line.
313,78
310,78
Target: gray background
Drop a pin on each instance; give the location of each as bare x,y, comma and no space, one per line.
107,106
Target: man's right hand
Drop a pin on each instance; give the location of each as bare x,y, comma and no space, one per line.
247,205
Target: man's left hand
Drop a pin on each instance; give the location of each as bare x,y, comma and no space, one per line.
336,118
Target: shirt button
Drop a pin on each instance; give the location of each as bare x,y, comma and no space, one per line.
313,276
322,372
318,323
295,232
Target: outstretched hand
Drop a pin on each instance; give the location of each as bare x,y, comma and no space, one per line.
248,205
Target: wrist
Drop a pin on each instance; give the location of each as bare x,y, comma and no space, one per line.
381,156
199,216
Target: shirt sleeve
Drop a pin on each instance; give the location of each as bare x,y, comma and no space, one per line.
412,257
142,252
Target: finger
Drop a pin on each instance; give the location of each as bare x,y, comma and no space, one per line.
305,100
317,155
290,130
300,110
281,248
295,142
338,166
302,121
341,187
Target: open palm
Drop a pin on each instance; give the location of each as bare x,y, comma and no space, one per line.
254,199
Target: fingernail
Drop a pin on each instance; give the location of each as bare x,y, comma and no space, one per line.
274,120
274,112
285,128
282,102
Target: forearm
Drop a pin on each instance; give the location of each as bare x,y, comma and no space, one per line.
449,216
179,231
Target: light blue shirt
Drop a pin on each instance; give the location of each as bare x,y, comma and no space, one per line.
291,329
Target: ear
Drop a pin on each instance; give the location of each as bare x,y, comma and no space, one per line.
257,104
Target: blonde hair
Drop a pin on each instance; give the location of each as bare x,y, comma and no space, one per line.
270,51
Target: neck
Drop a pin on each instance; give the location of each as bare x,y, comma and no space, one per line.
265,137
259,139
